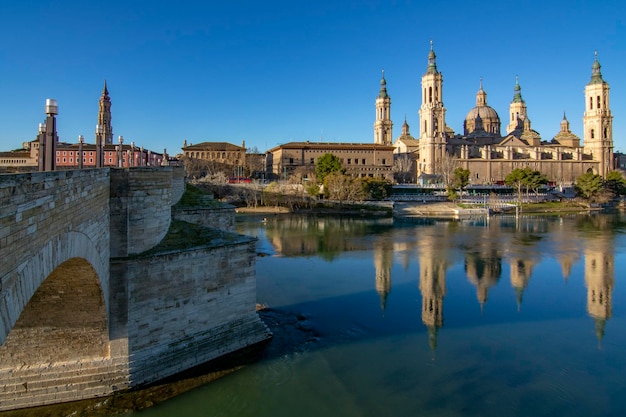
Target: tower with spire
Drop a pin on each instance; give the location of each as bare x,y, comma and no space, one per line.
383,125
104,115
432,118
517,109
598,121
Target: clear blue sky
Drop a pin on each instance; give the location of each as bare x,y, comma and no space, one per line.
270,72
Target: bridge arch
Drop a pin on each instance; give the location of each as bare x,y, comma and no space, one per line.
64,321
66,253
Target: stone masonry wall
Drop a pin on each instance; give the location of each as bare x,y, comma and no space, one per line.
41,227
178,183
55,225
140,208
222,218
187,308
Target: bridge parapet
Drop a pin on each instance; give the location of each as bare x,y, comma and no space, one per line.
141,200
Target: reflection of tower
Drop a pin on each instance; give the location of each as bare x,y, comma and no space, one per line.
433,288
483,270
383,254
599,278
521,270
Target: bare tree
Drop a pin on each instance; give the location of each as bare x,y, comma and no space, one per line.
403,168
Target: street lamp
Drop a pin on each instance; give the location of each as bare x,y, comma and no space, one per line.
42,145
49,159
120,152
81,141
99,146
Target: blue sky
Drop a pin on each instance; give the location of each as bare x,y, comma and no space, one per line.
270,72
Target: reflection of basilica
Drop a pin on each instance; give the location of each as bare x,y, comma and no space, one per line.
483,264
383,260
433,262
483,255
599,278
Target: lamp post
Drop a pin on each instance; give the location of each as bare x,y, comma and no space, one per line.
42,145
120,152
81,141
49,161
99,146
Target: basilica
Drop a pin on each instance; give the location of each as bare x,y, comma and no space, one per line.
487,152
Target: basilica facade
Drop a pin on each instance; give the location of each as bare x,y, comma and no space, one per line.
484,150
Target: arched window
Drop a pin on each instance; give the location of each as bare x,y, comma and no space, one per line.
606,133
430,94
592,134
590,103
598,102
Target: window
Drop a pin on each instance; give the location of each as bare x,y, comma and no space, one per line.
363,161
606,133
349,161
312,161
598,102
590,103
110,161
592,133
384,162
356,161
291,160
91,160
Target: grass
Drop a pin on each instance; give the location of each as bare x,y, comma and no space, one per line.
197,197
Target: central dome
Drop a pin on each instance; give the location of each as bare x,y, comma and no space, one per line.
482,117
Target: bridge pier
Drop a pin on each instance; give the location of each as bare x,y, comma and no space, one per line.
93,260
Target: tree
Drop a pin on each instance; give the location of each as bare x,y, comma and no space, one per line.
403,167
327,164
461,178
342,188
615,183
518,180
589,185
534,180
376,188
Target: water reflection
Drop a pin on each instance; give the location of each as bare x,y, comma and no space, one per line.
486,248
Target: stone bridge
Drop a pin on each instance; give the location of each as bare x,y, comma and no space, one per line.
98,291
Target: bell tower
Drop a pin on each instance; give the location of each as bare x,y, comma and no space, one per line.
517,109
104,116
432,118
598,121
383,125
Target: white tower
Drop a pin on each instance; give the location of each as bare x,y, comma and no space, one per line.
598,121
517,109
432,118
383,125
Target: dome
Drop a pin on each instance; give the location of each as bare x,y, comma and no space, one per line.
482,117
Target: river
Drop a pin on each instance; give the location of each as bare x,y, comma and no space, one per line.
486,316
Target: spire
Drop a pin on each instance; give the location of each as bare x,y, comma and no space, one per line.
432,61
481,96
517,92
565,124
383,87
596,75
405,127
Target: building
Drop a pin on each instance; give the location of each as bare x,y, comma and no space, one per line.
491,156
358,159
68,155
212,157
